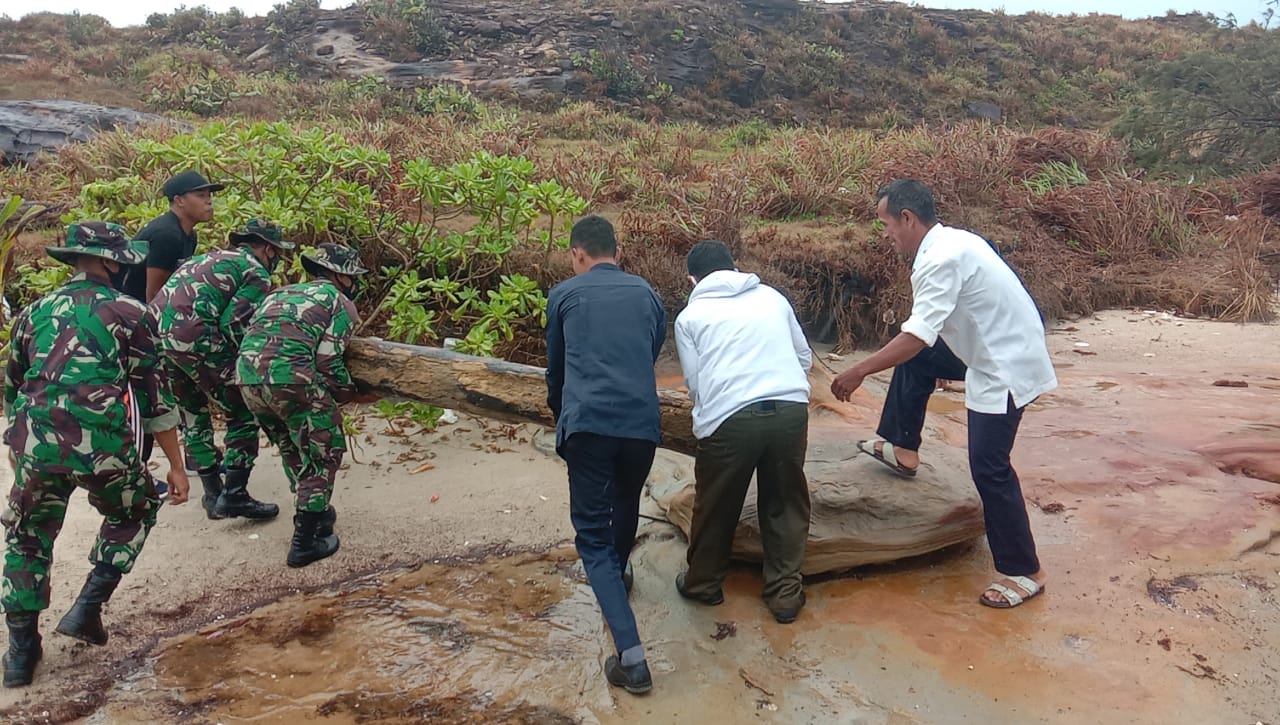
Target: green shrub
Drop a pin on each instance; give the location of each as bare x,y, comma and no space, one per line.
447,98
615,70
747,134
320,186
403,26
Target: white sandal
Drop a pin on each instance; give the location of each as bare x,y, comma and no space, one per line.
887,456
1012,597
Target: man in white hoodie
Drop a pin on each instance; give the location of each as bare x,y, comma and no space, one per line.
745,361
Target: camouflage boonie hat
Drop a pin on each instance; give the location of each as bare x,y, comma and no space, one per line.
333,257
261,230
98,239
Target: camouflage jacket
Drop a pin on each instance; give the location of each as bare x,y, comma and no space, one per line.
75,355
298,337
206,304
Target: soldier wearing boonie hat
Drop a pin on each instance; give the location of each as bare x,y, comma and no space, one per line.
79,358
201,313
292,375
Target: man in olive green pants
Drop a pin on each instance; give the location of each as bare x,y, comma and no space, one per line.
745,361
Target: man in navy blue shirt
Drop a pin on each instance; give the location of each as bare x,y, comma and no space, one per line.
604,331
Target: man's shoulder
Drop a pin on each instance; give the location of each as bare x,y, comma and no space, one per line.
110,305
163,228
960,241
233,261
305,296
295,291
632,279
560,288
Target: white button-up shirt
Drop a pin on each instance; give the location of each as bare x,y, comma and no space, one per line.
964,292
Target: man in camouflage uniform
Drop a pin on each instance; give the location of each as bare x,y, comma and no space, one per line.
201,313
293,377
80,383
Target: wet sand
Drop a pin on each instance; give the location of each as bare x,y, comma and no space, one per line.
1149,500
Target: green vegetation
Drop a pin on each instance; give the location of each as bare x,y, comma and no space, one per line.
405,29
461,203
1212,108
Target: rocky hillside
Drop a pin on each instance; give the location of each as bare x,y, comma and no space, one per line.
870,64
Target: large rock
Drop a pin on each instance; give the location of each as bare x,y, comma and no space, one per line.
988,111
861,512
28,128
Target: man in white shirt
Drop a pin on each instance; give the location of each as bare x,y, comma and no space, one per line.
745,360
965,293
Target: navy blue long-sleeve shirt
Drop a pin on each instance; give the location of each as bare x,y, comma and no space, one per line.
605,329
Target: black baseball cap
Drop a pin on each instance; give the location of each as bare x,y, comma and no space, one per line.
187,182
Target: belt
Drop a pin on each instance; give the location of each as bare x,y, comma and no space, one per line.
763,406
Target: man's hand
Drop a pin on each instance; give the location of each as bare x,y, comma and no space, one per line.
847,382
179,487
364,397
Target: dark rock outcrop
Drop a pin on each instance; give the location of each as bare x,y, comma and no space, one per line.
28,128
988,111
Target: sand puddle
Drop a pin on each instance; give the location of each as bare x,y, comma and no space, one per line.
507,641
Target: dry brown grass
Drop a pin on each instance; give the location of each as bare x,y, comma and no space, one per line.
1115,240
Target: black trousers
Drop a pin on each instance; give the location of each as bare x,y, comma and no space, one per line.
606,478
991,438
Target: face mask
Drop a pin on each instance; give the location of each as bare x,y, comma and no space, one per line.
354,288
118,277
272,262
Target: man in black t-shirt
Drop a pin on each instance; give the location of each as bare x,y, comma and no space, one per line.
171,237
171,240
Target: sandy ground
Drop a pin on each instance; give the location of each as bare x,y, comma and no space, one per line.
1161,606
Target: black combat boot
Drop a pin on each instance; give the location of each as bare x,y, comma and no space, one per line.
235,500
24,648
308,545
327,521
84,620
211,479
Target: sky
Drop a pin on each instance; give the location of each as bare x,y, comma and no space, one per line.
135,12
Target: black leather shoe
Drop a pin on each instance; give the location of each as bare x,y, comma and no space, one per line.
634,679
710,601
628,577
790,614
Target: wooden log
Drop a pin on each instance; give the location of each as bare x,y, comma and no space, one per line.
483,386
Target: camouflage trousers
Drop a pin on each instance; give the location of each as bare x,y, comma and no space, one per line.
305,422
37,506
196,381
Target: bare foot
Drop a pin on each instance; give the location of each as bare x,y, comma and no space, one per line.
906,458
998,599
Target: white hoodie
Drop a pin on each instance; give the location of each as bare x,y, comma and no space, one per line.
739,344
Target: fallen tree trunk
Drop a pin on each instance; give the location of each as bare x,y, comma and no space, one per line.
484,386
861,515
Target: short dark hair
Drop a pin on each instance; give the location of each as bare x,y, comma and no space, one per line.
909,195
710,256
594,235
